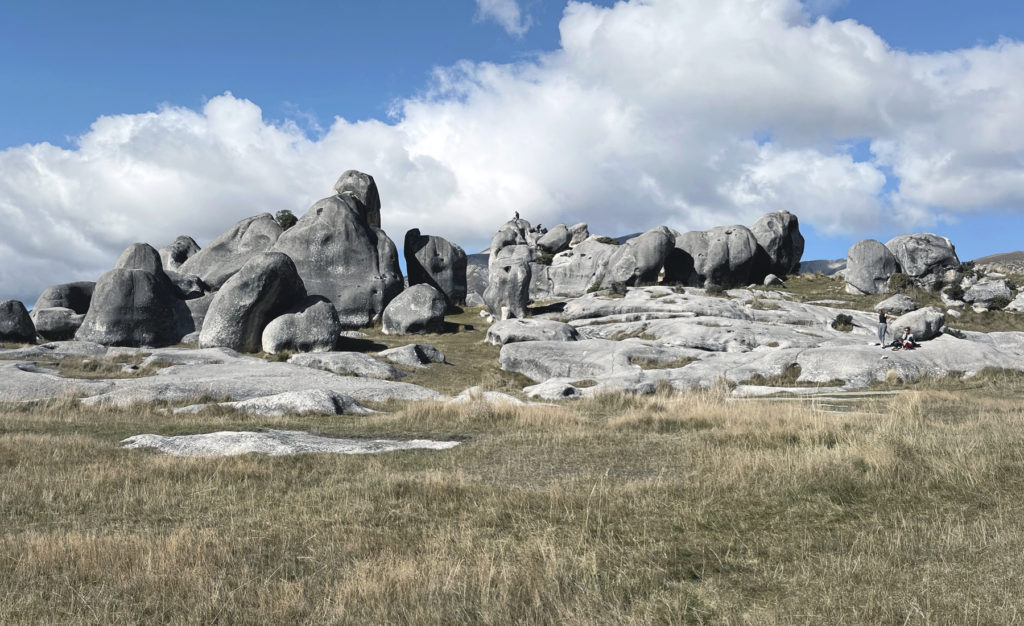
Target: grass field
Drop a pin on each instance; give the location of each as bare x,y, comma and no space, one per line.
663,509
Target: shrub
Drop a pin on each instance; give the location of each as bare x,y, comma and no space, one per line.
967,269
843,322
956,292
618,289
712,289
899,282
607,240
999,303
954,332
286,218
594,287
544,258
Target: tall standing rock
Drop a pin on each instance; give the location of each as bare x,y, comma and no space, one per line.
141,256
508,278
15,324
134,307
869,264
436,262
267,286
723,256
926,258
226,254
779,236
177,252
640,259
342,254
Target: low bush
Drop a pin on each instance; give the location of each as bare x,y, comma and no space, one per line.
843,322
955,292
712,289
900,282
607,240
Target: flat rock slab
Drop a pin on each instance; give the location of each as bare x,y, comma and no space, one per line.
274,443
308,402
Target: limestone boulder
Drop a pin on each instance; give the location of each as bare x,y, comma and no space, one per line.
134,307
226,254
640,259
986,291
188,286
140,256
897,304
264,288
508,288
349,364
924,323
312,326
1017,304
515,330
869,265
417,310
725,256
575,271
437,262
414,355
579,233
779,236
363,189
555,240
772,279
926,258
477,275
57,323
173,255
15,323
342,254
75,296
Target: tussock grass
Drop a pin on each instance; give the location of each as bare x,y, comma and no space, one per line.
672,508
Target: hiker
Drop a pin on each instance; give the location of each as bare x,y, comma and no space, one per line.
883,321
907,340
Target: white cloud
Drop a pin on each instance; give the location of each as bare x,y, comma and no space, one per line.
686,113
505,13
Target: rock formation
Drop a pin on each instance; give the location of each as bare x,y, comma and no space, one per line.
723,256
436,262
177,252
15,324
926,258
640,259
417,310
226,254
134,307
869,265
779,236
312,326
75,296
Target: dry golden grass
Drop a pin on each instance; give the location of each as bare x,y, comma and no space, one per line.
664,509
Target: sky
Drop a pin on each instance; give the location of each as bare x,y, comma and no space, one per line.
127,121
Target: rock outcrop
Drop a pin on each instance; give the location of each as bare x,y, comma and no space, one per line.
640,259
897,304
15,324
436,262
555,240
75,296
987,291
509,271
779,236
226,254
56,323
926,259
134,307
512,331
141,256
341,253
417,310
173,255
924,323
264,288
869,265
723,256
312,326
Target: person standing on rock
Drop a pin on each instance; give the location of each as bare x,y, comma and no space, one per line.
883,322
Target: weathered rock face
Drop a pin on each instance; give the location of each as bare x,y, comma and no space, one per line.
723,256
417,310
898,304
927,259
267,286
574,271
312,326
349,364
924,323
56,323
414,355
779,236
173,255
342,255
986,291
580,233
508,288
436,262
134,307
15,324
512,331
363,189
226,254
189,286
140,256
476,278
640,259
74,296
869,265
555,240
197,310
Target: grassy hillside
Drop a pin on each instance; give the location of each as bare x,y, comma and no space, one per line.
665,509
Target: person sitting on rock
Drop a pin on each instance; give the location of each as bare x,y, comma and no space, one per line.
907,340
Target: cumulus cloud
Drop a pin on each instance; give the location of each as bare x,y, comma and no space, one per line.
505,13
686,113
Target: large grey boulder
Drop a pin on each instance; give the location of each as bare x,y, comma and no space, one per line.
189,286
926,258
349,364
515,330
555,240
312,326
924,323
779,236
573,272
579,233
417,310
869,265
897,304
56,323
508,288
267,286
723,256
436,262
134,307
226,254
75,296
640,259
304,402
985,291
15,324
476,278
414,355
1017,304
362,188
341,253
177,252
140,256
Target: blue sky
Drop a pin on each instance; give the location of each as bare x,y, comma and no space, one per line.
122,121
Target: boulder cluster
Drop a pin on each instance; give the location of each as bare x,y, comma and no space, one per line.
925,260
259,286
